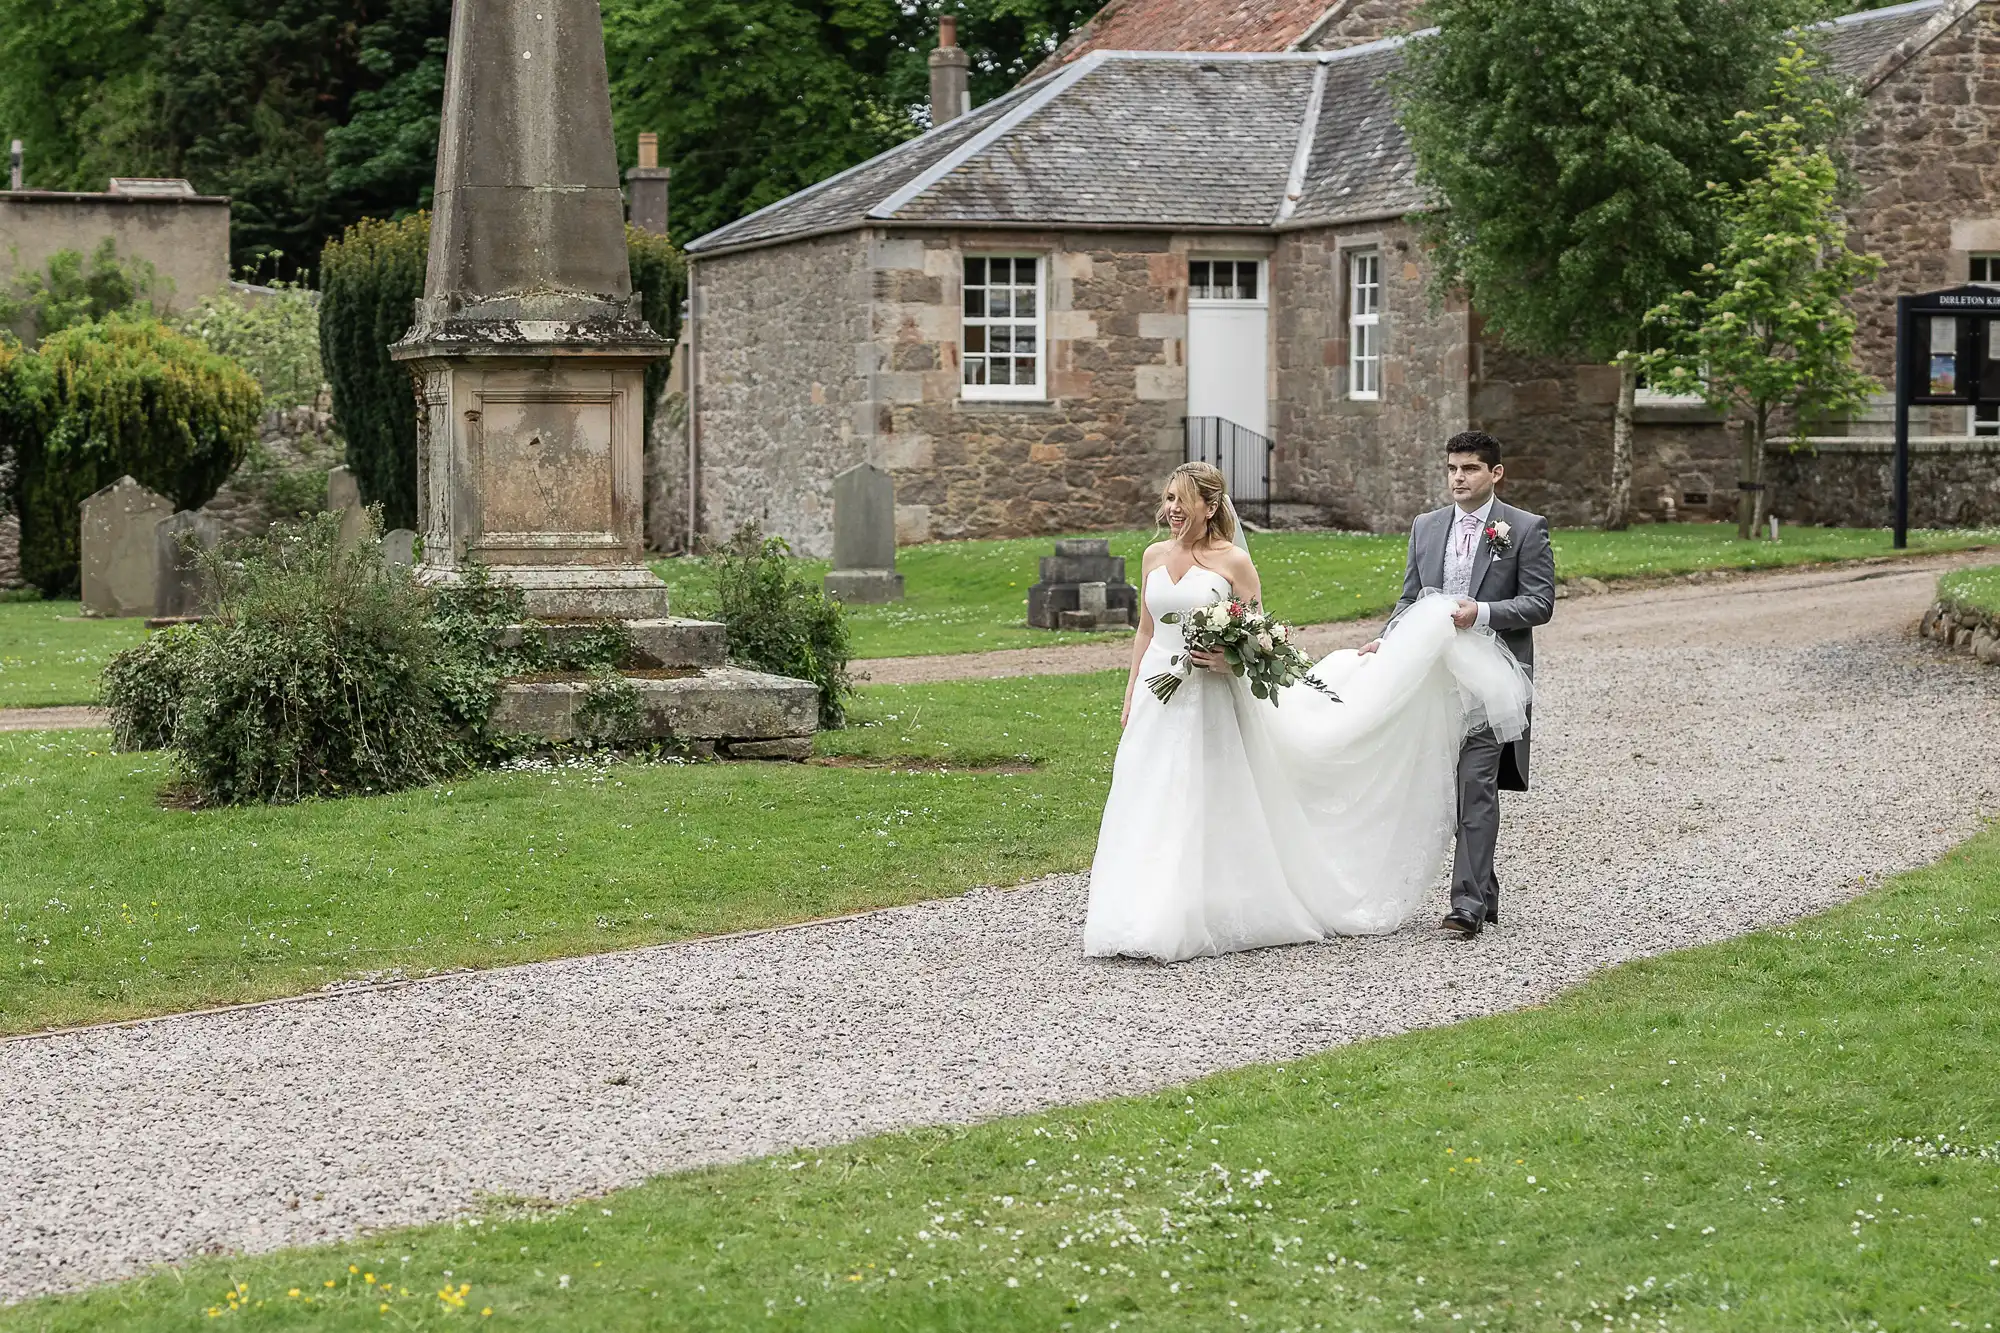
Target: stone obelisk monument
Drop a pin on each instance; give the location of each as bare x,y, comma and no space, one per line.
530,355
528,344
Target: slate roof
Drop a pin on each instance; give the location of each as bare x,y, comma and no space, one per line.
1855,44
1179,140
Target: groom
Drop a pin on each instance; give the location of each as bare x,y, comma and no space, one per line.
1496,560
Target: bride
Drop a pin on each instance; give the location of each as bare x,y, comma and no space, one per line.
1233,824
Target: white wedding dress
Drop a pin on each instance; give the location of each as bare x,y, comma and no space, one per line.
1233,824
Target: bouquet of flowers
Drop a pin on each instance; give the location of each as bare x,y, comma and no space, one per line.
1254,644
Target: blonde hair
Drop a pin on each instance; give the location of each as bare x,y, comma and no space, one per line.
1198,486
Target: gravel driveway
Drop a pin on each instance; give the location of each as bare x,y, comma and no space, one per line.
1708,759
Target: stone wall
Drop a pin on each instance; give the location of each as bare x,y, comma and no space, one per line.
1849,484
1090,456
285,472
185,238
1093,454
781,370
1928,165
1367,464
1964,629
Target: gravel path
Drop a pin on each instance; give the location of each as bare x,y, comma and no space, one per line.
53,719
1709,760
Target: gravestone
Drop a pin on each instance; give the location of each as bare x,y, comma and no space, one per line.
864,537
120,557
343,497
1083,587
182,588
399,547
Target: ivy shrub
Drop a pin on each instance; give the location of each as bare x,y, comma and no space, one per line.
315,676
370,280
142,687
97,401
781,621
327,672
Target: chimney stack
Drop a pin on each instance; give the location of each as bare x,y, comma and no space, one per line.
951,75
646,187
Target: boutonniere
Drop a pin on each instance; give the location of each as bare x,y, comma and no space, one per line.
1499,538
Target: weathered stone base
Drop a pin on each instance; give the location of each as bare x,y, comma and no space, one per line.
1964,630
577,592
668,642
865,586
727,709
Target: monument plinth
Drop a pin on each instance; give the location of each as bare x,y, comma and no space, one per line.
530,356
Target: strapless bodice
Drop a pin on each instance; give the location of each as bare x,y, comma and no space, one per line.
1200,586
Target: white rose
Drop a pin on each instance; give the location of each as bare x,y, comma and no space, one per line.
1264,642
1501,530
1281,634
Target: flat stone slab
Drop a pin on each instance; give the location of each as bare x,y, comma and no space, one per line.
864,587
714,708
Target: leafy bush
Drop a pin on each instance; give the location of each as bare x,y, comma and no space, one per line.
780,621
143,687
316,676
74,291
98,401
370,279
272,332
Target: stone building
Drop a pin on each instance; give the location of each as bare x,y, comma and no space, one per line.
182,235
1031,313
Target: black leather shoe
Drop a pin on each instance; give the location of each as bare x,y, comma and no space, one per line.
1460,925
1493,910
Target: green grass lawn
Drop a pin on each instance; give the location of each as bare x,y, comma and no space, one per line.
972,596
1975,589
112,906
50,654
1799,1130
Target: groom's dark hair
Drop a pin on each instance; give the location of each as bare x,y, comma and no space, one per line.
1474,442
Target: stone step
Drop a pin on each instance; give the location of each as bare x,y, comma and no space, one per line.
726,710
670,642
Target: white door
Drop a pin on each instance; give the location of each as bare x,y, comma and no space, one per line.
1229,365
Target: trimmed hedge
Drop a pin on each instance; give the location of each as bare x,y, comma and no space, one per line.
370,280
98,401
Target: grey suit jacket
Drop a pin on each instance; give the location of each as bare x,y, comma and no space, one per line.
1519,588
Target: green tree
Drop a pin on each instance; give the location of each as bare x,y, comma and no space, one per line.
95,402
1765,332
239,96
1569,145
755,99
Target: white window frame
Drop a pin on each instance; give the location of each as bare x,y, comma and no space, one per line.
1263,296
1361,386
1989,427
1987,259
1035,392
